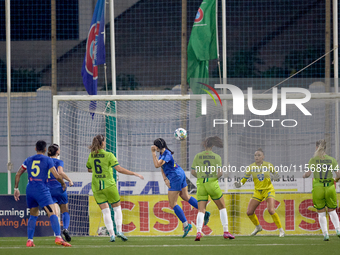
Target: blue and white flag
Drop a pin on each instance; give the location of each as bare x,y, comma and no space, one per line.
95,49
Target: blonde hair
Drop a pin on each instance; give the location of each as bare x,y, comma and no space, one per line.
260,149
321,150
97,143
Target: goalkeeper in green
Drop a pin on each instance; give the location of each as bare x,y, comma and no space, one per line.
323,193
207,168
100,164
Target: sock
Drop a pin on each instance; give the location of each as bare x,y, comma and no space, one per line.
199,221
254,219
107,221
224,219
118,218
66,220
55,225
193,202
277,221
31,227
323,223
335,219
180,214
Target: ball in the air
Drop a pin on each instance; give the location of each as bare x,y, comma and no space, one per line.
180,134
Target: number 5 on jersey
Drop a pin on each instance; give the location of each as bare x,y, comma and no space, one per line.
36,167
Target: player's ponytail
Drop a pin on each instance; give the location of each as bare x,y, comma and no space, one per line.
97,143
321,150
161,144
212,141
52,150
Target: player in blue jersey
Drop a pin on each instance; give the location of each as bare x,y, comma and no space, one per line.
37,192
175,179
59,195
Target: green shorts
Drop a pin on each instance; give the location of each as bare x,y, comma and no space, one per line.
109,195
208,188
324,196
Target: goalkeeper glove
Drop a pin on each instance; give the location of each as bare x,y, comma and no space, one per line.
238,184
276,177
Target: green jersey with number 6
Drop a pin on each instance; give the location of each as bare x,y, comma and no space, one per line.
206,164
102,173
322,169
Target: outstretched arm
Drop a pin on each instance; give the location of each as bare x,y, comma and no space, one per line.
16,183
193,172
64,176
307,174
219,172
156,162
275,174
238,184
337,173
166,180
58,177
122,170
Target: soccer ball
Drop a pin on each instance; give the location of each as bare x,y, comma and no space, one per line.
102,231
180,134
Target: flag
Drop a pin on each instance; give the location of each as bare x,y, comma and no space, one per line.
202,45
95,49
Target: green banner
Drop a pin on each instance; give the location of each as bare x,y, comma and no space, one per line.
202,44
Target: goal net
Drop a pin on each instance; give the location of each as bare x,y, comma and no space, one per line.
132,123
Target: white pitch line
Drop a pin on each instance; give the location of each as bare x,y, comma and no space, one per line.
158,246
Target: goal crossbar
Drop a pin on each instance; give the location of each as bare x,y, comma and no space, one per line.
56,99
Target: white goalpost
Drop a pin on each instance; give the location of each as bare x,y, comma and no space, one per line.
288,142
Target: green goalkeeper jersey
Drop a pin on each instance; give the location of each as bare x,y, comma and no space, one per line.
322,169
102,173
206,164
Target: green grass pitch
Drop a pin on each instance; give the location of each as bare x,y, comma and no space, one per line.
209,245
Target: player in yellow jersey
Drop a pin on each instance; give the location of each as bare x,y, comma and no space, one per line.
261,172
324,194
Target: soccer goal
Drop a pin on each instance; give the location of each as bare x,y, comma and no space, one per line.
131,124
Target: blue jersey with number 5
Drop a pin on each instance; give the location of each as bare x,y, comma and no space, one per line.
171,169
37,169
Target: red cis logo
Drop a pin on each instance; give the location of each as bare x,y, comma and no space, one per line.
91,51
204,98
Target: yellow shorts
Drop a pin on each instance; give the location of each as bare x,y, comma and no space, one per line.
261,195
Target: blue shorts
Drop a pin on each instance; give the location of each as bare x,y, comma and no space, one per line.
178,184
38,196
59,196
